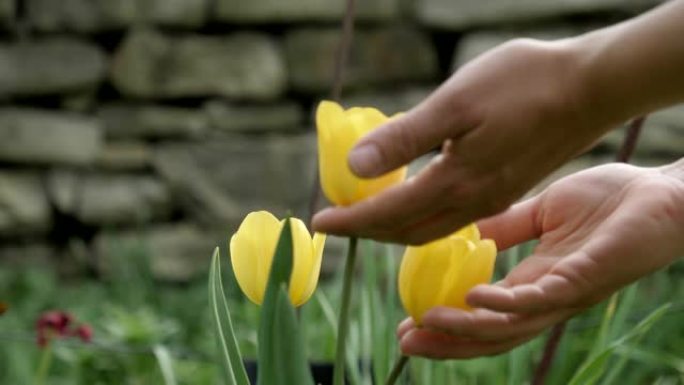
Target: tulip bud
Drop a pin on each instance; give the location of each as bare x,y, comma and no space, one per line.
442,272
251,254
338,131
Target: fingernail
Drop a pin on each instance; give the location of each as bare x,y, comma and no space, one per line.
364,160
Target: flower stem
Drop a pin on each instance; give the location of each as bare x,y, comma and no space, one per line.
44,365
397,369
343,323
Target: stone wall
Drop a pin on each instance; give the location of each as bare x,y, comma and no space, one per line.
158,124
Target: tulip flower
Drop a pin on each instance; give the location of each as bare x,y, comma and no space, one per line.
338,131
251,254
442,272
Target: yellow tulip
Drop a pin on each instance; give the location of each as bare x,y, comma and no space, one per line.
251,254
338,131
442,272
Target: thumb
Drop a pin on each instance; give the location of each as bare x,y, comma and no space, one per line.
403,139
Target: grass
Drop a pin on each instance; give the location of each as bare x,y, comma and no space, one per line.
148,332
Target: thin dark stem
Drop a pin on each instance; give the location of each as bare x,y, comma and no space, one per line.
336,91
343,322
623,155
630,141
397,369
343,50
549,354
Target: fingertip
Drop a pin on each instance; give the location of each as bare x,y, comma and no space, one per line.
330,220
515,225
404,327
407,343
365,160
319,220
484,296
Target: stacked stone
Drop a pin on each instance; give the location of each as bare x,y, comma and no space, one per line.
161,123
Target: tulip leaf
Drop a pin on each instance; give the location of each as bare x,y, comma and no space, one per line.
592,370
230,357
282,360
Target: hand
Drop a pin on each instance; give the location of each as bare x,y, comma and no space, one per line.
598,231
508,119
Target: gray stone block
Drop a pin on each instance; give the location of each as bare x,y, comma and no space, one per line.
152,121
258,118
219,182
24,207
462,14
263,11
177,253
377,57
117,199
661,139
33,136
7,12
103,15
246,66
125,156
49,66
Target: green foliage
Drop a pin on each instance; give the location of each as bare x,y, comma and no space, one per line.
592,370
132,314
230,357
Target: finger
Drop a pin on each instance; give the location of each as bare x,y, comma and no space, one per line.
406,137
436,345
483,324
551,291
405,326
382,216
435,227
516,225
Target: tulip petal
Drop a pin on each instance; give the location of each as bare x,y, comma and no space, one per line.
370,187
251,252
422,277
485,254
244,269
336,137
302,261
364,121
470,232
318,245
477,268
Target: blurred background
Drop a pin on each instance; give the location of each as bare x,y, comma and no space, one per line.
136,134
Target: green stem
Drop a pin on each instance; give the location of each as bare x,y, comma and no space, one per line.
343,323
397,369
44,365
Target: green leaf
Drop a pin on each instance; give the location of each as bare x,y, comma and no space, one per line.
617,328
282,360
591,371
654,358
230,357
161,353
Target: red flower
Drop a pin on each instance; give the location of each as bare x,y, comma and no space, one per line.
56,324
84,332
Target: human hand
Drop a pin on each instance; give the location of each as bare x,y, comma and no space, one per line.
508,119
598,231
